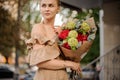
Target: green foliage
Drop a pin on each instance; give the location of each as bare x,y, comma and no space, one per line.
94,51
94,12
95,48
82,15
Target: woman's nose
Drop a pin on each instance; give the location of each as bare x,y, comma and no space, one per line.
47,8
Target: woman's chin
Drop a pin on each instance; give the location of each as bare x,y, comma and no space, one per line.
48,17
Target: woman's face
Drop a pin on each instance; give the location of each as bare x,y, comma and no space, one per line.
49,8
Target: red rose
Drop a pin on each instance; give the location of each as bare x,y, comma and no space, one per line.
63,34
66,45
82,37
79,38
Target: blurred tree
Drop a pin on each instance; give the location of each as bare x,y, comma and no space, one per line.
8,34
10,30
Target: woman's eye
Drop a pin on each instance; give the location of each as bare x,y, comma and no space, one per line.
43,5
51,5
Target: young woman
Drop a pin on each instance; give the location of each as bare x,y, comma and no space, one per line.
43,48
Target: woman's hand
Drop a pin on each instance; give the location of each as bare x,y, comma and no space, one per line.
74,66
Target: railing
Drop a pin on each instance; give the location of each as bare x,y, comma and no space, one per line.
111,65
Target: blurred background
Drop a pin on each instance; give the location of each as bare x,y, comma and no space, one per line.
101,62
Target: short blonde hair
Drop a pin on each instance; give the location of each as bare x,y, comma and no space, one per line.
58,2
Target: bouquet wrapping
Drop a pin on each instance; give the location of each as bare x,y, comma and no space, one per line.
77,37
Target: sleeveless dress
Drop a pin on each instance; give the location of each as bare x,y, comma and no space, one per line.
42,46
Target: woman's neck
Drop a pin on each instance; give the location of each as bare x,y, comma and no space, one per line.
49,22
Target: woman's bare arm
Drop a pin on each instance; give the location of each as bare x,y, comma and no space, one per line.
59,64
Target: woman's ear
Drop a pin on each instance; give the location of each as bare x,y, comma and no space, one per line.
58,10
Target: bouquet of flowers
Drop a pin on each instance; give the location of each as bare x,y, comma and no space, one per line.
76,37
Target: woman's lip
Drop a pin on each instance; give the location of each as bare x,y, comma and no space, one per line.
47,13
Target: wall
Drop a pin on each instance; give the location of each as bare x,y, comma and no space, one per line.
111,67
111,25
